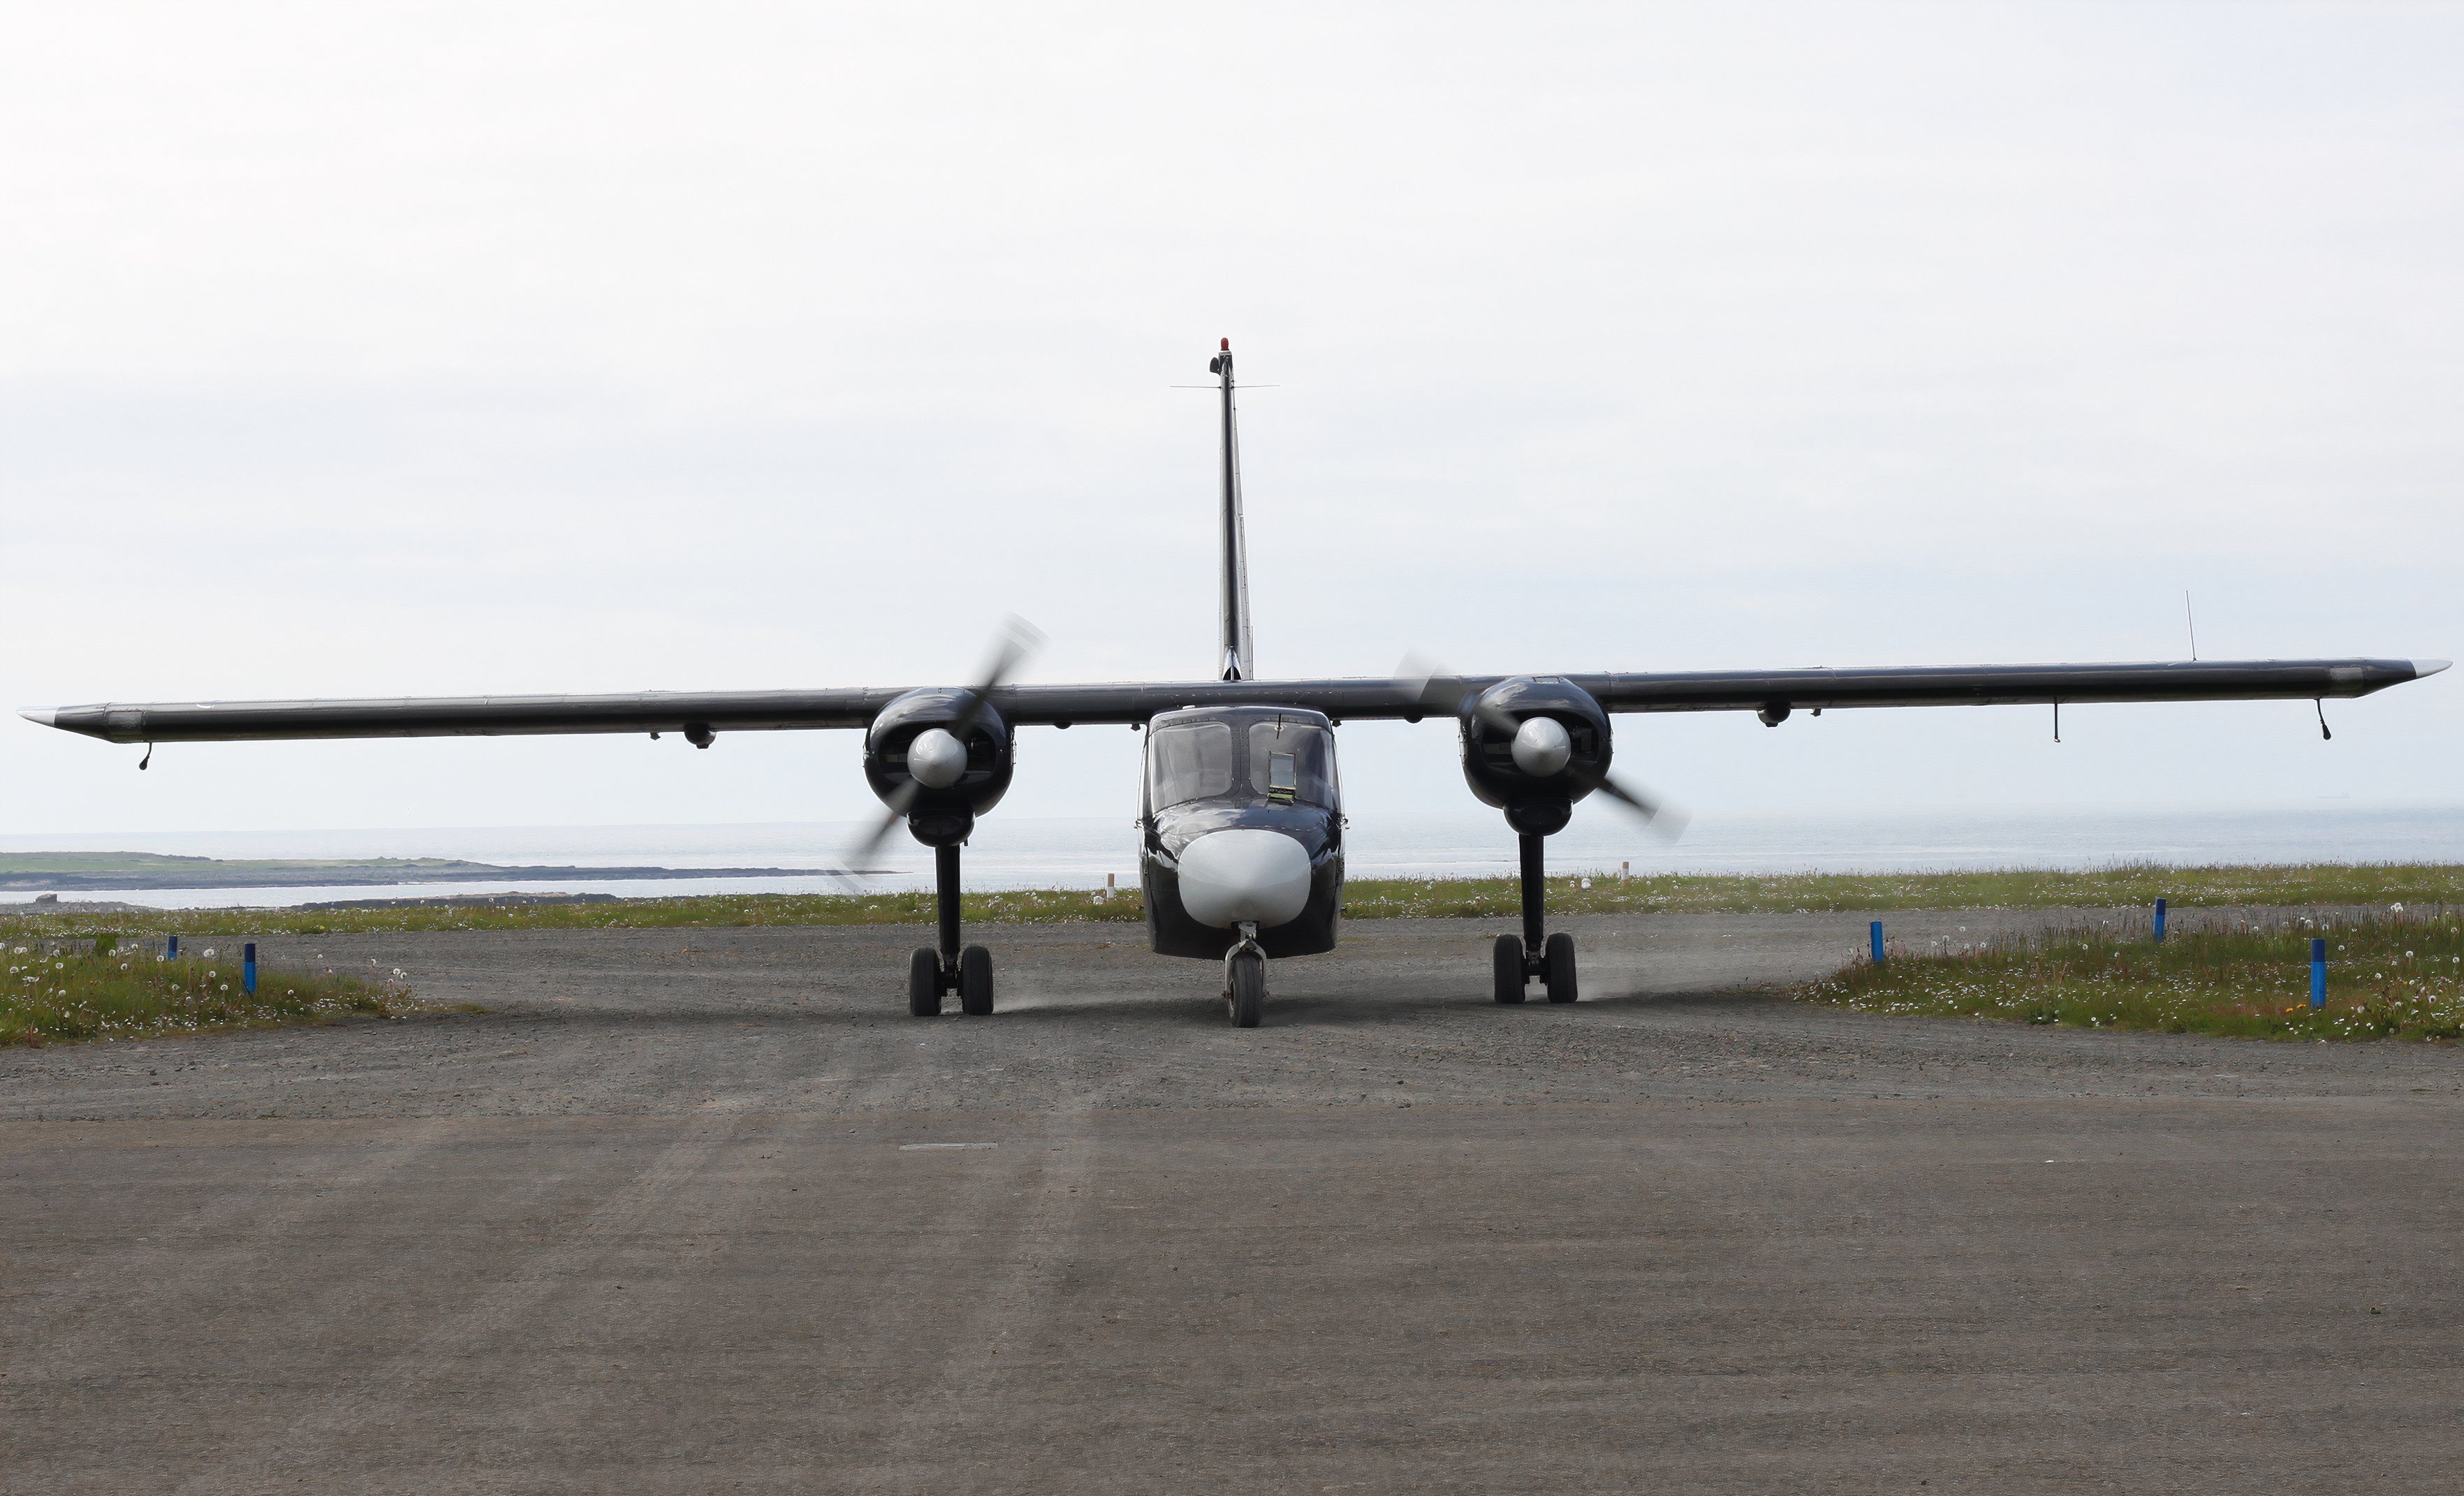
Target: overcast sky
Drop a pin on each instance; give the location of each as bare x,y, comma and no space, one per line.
441,349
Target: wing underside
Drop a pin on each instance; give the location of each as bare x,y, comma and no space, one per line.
1391,698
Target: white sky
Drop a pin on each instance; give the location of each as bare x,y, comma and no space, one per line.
442,349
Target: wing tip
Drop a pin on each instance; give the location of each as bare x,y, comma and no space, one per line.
42,716
2424,667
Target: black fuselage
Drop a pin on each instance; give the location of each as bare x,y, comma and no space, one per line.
1212,769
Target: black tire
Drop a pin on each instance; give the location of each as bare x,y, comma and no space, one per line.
976,981
1557,967
923,985
1248,990
1507,959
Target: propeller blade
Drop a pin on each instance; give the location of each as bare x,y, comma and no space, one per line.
1664,818
1441,692
897,805
1496,718
1019,639
1419,679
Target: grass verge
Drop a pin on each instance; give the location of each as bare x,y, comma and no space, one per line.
101,993
2394,976
1364,899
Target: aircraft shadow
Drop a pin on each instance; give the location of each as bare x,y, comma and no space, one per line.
1373,1008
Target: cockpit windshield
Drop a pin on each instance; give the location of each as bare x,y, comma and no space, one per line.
1288,764
1190,762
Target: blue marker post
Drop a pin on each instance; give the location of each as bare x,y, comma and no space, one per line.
1878,943
2317,972
2160,921
248,968
171,949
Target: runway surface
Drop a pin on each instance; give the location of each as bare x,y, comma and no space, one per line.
703,1210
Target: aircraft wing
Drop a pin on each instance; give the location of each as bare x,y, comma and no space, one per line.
692,712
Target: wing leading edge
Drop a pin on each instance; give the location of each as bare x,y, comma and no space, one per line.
691,712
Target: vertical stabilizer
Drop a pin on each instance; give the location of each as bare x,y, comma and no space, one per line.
1239,661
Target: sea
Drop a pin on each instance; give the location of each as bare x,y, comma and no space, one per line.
1084,853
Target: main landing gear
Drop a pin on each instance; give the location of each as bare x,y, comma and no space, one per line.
1552,958
933,973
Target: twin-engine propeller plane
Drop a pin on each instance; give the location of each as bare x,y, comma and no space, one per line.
1241,813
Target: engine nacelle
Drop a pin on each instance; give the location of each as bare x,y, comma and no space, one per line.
1554,753
942,757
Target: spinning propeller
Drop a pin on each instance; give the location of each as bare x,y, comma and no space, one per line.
1540,745
936,757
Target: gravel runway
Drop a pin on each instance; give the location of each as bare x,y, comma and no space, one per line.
703,1210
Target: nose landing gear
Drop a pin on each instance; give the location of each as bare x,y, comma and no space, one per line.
1515,961
1245,977
932,974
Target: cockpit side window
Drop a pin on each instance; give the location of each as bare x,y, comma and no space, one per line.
1191,762
1292,763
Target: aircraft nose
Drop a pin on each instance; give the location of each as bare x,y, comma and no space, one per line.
1244,873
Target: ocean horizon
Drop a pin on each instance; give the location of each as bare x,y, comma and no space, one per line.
1081,851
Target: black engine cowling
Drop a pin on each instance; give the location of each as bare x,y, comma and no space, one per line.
1537,799
939,814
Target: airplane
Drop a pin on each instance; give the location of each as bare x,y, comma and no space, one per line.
1239,813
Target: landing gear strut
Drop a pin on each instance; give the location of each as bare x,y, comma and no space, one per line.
932,974
1516,962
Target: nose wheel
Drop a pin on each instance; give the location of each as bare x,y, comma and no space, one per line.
1515,961
1244,980
933,974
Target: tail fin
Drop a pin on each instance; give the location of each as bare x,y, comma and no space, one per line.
1239,656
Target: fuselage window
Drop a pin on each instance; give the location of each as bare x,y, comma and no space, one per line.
1293,764
1193,762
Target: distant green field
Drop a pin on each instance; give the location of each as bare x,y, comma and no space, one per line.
2389,977
1367,898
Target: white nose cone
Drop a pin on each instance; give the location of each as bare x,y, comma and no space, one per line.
1541,747
1244,873
935,759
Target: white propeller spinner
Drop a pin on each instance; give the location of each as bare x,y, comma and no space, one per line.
935,760
1541,747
